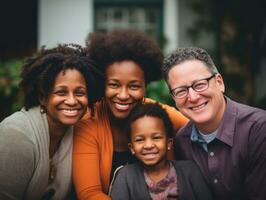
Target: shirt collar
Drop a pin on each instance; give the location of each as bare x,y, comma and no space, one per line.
227,130
195,137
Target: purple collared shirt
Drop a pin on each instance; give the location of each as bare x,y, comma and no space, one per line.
235,163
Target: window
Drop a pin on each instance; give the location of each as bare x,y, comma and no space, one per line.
144,17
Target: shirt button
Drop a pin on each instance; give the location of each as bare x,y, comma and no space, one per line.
211,154
215,180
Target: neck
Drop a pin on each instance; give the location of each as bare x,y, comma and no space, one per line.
207,129
158,172
117,122
56,133
118,128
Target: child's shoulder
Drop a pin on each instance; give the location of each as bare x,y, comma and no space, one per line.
131,167
129,172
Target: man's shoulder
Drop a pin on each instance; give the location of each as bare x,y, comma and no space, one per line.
245,122
185,131
249,113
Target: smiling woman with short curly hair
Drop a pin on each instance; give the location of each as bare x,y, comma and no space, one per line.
36,142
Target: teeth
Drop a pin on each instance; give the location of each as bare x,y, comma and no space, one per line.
198,107
150,155
70,112
122,106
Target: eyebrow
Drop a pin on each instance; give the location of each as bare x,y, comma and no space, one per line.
65,87
184,86
132,81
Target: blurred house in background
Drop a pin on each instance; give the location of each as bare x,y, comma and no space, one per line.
234,32
71,20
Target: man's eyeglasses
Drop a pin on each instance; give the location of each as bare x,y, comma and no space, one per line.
198,86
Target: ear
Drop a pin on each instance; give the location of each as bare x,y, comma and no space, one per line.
220,82
42,101
169,143
131,148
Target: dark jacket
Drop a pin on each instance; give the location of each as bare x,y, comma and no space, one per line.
130,183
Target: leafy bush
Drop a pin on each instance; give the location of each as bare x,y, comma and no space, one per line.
159,91
10,98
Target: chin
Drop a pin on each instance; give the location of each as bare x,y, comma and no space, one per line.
70,122
199,117
121,115
201,120
150,163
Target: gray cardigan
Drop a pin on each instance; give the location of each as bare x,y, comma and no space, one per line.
25,161
130,183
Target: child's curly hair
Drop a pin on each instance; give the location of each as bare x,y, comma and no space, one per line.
150,110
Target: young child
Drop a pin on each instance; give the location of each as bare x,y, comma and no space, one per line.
154,177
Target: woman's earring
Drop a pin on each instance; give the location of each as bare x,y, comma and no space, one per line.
168,148
42,109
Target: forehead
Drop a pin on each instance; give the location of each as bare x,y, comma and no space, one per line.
147,125
124,69
69,76
187,72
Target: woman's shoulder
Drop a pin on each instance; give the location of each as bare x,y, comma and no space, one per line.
96,127
17,120
177,118
99,114
24,124
14,133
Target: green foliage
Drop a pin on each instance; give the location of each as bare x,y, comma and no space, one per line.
205,24
9,81
159,91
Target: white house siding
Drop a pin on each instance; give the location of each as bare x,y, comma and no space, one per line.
187,18
64,21
171,22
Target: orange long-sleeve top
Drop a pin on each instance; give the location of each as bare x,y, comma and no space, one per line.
93,152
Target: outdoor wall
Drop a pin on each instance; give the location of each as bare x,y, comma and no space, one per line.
187,19
171,22
179,17
64,21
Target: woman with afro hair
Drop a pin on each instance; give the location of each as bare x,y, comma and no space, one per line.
59,85
130,60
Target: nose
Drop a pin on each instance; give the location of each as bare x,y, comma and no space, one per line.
71,99
123,94
193,95
148,144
